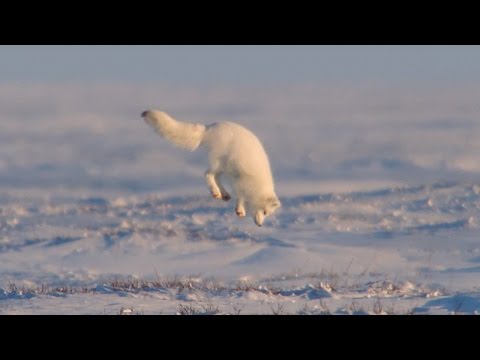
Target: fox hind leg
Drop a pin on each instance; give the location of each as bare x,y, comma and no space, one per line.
212,184
225,195
216,188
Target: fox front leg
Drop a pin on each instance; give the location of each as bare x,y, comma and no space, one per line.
240,208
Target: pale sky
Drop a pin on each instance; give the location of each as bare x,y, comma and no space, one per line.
233,64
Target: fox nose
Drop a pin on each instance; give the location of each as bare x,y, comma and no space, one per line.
145,113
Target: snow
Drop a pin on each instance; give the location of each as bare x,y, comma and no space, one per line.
380,190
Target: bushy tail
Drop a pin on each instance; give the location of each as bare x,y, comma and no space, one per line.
182,134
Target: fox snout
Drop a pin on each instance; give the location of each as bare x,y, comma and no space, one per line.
259,218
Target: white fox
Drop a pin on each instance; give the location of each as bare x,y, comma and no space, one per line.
233,151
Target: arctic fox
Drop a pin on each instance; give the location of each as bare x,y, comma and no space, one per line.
233,151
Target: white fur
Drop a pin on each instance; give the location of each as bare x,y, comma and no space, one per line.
233,152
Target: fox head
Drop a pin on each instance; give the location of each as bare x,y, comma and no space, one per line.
269,206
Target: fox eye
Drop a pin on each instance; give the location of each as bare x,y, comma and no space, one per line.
264,212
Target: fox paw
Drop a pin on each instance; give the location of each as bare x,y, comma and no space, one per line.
240,212
216,195
224,197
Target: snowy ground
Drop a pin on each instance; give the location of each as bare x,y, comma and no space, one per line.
380,190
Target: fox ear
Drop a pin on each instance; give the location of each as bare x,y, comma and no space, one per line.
275,203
